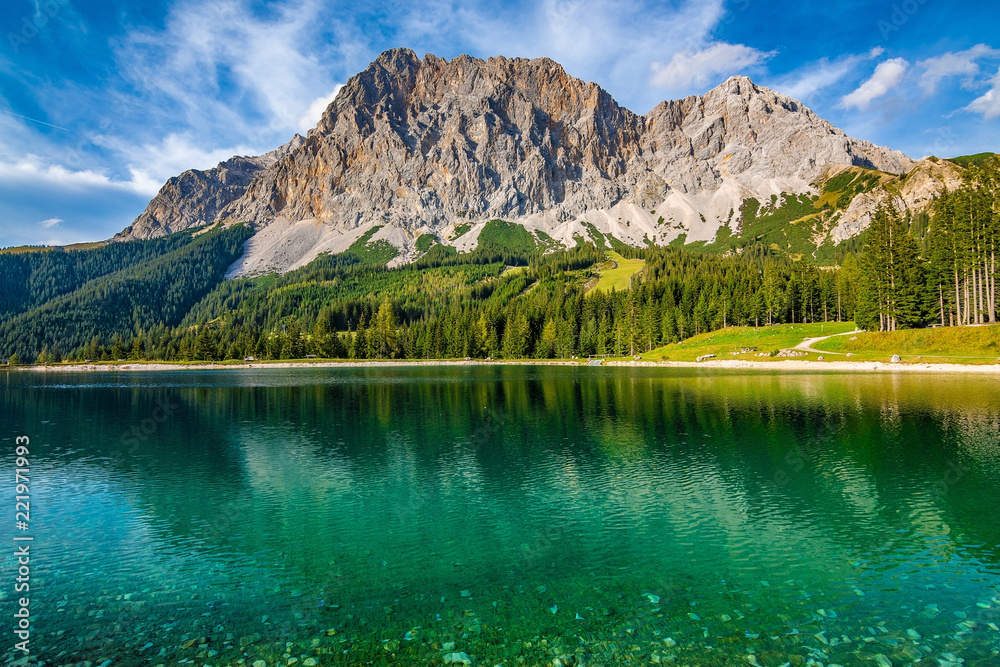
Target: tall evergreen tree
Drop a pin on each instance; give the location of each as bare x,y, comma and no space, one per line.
891,275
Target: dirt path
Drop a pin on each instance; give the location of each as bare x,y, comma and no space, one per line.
807,344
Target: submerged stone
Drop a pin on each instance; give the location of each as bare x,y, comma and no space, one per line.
457,658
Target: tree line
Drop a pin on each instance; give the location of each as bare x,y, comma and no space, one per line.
941,274
512,301
469,306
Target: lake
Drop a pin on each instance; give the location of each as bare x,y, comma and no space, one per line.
515,515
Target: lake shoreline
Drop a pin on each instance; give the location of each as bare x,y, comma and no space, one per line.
791,365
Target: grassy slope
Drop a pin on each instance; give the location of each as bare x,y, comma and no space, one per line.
503,236
618,277
766,339
367,251
970,345
425,241
977,159
794,224
21,249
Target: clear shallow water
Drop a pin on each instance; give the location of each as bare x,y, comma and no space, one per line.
522,514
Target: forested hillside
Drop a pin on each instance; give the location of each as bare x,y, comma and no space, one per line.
34,277
942,273
119,304
513,297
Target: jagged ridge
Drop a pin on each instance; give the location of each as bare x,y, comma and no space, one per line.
420,145
196,197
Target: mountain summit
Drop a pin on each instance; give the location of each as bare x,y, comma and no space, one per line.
436,146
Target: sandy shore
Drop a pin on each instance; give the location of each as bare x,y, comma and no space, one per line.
795,365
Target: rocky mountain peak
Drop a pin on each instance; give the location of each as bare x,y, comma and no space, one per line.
422,145
196,197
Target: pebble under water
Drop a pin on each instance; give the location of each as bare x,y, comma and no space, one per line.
508,515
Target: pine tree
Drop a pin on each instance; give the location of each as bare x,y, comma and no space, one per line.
565,344
295,343
359,344
319,342
847,288
205,346
515,337
118,349
136,352
891,275
546,347
774,297
385,339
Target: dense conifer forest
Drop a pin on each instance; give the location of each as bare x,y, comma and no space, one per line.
512,298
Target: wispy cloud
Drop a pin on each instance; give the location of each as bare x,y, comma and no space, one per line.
988,104
959,63
316,108
698,68
805,82
150,164
224,67
51,222
887,75
35,170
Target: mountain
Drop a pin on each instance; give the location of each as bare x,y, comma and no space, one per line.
196,197
914,191
428,146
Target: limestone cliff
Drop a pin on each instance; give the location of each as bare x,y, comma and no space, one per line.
423,145
196,197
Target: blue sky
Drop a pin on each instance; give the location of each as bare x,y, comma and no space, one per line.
102,100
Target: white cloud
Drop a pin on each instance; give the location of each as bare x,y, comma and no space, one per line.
960,63
151,164
887,76
806,82
229,71
32,169
988,104
697,68
316,109
50,222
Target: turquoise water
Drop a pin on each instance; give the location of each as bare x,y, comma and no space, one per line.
508,515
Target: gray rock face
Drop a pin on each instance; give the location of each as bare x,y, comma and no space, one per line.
415,143
924,181
424,145
196,197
